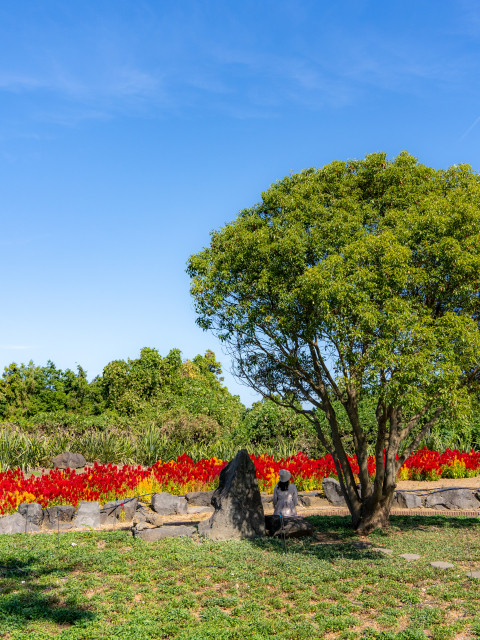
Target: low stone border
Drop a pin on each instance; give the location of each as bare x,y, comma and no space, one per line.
395,512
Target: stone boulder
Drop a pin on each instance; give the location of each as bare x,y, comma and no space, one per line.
69,460
238,505
435,501
460,499
167,505
452,499
32,511
121,509
199,498
87,515
292,527
404,500
200,510
108,521
16,523
333,492
52,515
160,533
149,516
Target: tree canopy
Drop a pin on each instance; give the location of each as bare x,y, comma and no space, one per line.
151,387
359,279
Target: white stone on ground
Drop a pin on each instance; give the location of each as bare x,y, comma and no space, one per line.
410,556
382,550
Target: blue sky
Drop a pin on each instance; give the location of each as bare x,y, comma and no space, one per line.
130,129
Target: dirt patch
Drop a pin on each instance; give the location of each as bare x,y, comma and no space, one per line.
438,484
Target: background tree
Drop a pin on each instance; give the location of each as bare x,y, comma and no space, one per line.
358,279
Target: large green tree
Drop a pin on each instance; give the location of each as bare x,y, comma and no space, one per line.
359,279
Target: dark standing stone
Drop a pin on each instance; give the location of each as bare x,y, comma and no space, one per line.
333,492
237,502
291,527
407,500
32,511
200,498
69,460
167,505
121,509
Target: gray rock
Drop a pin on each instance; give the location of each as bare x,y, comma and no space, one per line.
333,492
267,499
167,505
142,514
121,509
410,556
69,460
142,526
199,498
435,501
407,500
237,501
442,565
452,499
460,499
57,526
200,509
32,511
87,515
305,501
382,550
477,495
290,527
64,511
106,520
160,533
16,523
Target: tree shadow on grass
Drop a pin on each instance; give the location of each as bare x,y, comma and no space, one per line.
334,536
24,599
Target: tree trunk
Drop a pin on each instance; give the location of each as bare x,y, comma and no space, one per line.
373,514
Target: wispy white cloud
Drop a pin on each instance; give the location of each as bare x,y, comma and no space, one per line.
169,61
15,347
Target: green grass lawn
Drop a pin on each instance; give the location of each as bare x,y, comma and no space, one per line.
112,586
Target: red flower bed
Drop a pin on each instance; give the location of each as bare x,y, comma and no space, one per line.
109,482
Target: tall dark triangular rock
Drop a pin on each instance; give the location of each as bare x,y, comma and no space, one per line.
238,504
